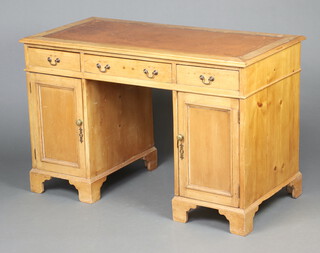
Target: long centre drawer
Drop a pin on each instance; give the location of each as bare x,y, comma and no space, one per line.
138,69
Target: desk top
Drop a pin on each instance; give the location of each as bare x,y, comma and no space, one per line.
233,48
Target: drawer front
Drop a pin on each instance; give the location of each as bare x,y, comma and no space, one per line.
208,77
54,59
144,70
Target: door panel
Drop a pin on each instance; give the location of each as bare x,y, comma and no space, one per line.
59,106
209,170
210,145
57,117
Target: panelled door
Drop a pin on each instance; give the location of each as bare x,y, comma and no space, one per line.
58,128
208,144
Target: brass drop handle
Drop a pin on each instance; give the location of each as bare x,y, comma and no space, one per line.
103,69
203,79
79,123
53,63
180,145
179,138
152,75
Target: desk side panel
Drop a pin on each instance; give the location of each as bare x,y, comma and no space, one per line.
269,139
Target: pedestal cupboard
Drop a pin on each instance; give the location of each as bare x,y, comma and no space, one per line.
235,110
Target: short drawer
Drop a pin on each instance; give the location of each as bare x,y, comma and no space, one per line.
111,66
208,77
54,59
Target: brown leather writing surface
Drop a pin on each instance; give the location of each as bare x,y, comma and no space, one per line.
164,37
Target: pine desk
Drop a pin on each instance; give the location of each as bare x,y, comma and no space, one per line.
235,110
